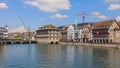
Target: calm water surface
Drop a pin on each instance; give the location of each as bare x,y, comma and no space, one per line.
57,56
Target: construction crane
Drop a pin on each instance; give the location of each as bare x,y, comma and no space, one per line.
84,15
83,18
27,29
22,22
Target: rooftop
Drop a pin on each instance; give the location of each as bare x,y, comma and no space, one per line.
102,25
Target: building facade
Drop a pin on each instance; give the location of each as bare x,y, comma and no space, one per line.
86,33
70,33
63,34
78,34
106,32
48,34
4,32
73,33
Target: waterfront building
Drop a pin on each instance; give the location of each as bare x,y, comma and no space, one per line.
86,32
63,31
23,36
106,32
48,34
28,35
78,33
4,32
70,33
73,33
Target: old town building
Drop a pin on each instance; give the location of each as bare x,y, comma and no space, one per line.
78,33
63,31
73,33
86,33
106,32
48,34
4,32
70,33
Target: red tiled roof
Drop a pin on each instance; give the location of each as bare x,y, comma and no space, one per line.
49,26
102,24
64,28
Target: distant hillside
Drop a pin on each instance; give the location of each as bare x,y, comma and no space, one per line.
79,24
60,27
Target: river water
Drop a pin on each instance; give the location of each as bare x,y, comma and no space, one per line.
57,56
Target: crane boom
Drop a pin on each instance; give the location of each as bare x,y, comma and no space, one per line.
23,22
27,29
84,15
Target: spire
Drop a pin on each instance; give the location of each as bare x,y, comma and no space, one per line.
76,22
6,26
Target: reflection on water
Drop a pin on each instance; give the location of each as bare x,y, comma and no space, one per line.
100,58
56,56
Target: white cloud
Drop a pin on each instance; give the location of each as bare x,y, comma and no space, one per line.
3,5
111,1
50,5
114,7
114,4
19,29
118,19
99,15
59,16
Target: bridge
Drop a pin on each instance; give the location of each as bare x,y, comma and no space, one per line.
16,41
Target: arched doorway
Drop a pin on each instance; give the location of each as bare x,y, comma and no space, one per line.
51,42
103,40
94,40
97,40
111,41
56,42
100,40
107,41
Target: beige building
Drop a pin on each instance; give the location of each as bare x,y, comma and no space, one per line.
86,32
48,34
106,32
63,34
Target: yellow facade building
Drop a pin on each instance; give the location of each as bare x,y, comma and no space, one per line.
48,34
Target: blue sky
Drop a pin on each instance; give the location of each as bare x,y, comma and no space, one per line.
36,13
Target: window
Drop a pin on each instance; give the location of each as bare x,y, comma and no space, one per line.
55,35
51,34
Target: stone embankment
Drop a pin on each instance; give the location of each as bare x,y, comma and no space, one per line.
92,45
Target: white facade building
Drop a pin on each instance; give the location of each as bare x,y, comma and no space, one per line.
4,32
74,33
70,33
78,34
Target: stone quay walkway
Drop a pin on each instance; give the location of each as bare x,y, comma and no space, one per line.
92,44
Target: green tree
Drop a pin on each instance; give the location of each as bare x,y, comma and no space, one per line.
18,37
